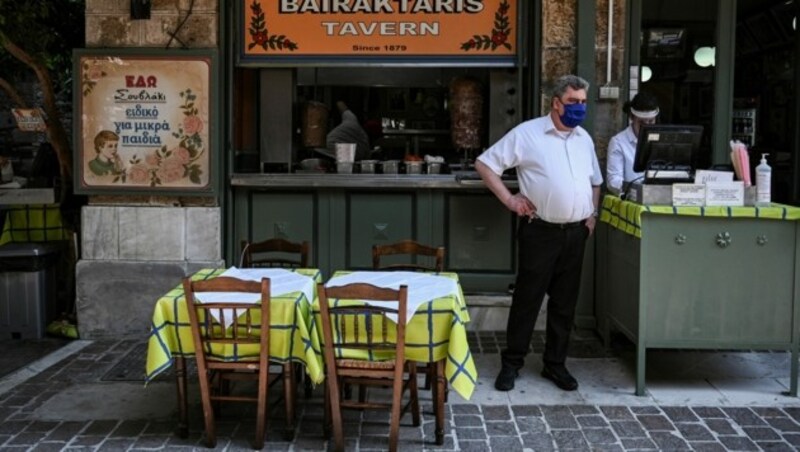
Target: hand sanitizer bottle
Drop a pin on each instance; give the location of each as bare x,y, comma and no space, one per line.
763,182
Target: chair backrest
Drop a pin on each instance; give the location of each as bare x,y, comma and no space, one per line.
411,248
248,323
274,253
362,327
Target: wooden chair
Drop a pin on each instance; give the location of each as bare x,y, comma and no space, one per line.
274,253
412,249
248,333
364,328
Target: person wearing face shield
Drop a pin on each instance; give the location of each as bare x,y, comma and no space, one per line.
642,109
559,193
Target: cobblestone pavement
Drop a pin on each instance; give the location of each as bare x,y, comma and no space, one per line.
26,424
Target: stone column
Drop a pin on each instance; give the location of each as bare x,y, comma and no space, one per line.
558,58
133,248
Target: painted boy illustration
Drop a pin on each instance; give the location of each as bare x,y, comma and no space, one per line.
107,161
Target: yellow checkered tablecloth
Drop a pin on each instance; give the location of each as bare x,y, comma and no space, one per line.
627,216
170,332
436,331
33,223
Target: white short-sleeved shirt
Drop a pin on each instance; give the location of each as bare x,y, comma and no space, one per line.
556,170
621,152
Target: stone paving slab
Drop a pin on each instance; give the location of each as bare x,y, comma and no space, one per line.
17,353
72,406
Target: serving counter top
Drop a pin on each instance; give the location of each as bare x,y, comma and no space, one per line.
372,181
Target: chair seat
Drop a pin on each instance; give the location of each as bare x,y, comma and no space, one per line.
361,364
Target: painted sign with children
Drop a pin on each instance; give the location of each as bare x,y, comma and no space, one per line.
144,123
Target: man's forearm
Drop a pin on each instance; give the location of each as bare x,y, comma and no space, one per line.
596,197
493,182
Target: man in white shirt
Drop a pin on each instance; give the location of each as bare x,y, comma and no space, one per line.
643,109
559,181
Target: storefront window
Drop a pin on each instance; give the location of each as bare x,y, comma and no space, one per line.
676,54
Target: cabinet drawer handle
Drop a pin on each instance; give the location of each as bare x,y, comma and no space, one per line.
723,239
680,239
761,240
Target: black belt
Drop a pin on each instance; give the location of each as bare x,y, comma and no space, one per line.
547,224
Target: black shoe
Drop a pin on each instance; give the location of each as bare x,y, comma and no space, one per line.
505,380
560,376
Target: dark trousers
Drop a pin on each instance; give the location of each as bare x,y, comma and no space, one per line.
550,261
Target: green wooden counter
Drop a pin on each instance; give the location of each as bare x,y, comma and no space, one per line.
699,278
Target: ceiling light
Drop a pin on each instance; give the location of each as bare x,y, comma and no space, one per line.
705,56
647,74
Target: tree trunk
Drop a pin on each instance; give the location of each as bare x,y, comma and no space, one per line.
12,93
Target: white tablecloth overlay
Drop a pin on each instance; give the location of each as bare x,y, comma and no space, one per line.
282,282
422,287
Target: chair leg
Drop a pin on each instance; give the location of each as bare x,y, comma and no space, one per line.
428,376
208,411
430,379
336,414
261,410
183,404
326,421
438,401
289,397
414,395
302,375
397,401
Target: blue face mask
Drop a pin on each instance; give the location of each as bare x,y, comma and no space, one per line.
574,114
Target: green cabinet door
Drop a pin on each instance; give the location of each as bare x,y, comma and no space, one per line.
480,234
377,218
718,280
289,216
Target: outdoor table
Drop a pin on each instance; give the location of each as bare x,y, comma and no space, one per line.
171,337
435,334
716,278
